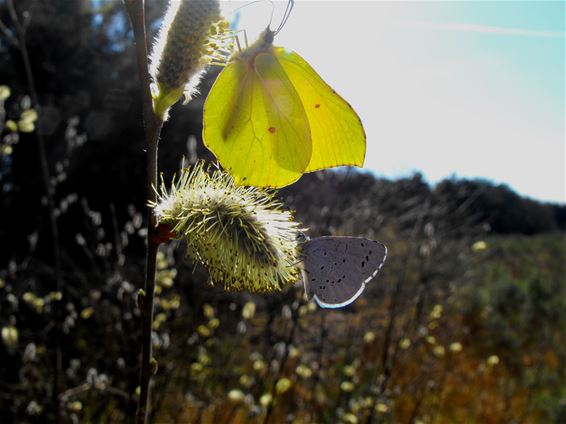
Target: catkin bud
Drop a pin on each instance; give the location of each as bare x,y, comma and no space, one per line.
153,366
182,49
241,234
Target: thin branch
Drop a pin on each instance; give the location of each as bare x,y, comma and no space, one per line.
8,34
21,27
283,363
86,387
386,364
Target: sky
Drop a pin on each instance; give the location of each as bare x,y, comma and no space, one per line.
446,88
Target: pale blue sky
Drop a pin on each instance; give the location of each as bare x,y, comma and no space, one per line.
473,89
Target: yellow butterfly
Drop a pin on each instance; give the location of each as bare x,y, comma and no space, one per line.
270,117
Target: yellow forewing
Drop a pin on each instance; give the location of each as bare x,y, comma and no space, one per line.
337,134
255,124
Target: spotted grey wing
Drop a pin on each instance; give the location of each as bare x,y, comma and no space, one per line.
336,269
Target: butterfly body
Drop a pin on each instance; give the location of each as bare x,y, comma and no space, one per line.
263,44
269,118
336,269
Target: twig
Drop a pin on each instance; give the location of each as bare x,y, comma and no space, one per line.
287,343
320,355
117,240
85,387
8,34
152,126
386,365
21,27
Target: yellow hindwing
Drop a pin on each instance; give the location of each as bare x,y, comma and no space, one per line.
338,137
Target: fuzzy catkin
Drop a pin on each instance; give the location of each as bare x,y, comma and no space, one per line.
181,48
241,234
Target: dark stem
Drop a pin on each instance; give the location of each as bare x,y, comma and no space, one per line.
386,363
319,355
152,126
21,27
288,341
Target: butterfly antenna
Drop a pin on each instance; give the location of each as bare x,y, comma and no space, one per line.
245,5
299,263
288,9
238,43
272,11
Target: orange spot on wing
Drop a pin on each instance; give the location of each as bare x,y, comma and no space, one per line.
317,105
272,130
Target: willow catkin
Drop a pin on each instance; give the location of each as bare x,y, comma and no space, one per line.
241,234
190,37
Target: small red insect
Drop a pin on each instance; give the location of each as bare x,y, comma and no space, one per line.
163,233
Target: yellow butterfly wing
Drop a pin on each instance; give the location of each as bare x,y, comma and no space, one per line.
337,135
255,124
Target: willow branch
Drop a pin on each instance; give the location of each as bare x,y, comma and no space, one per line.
21,25
152,127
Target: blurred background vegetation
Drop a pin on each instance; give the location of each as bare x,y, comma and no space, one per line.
464,324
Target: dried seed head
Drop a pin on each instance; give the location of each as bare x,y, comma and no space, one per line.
241,234
191,36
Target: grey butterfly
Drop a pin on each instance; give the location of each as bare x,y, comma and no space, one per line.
336,269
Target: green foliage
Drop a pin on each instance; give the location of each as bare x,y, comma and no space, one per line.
517,311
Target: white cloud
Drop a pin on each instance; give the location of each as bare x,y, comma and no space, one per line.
483,29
